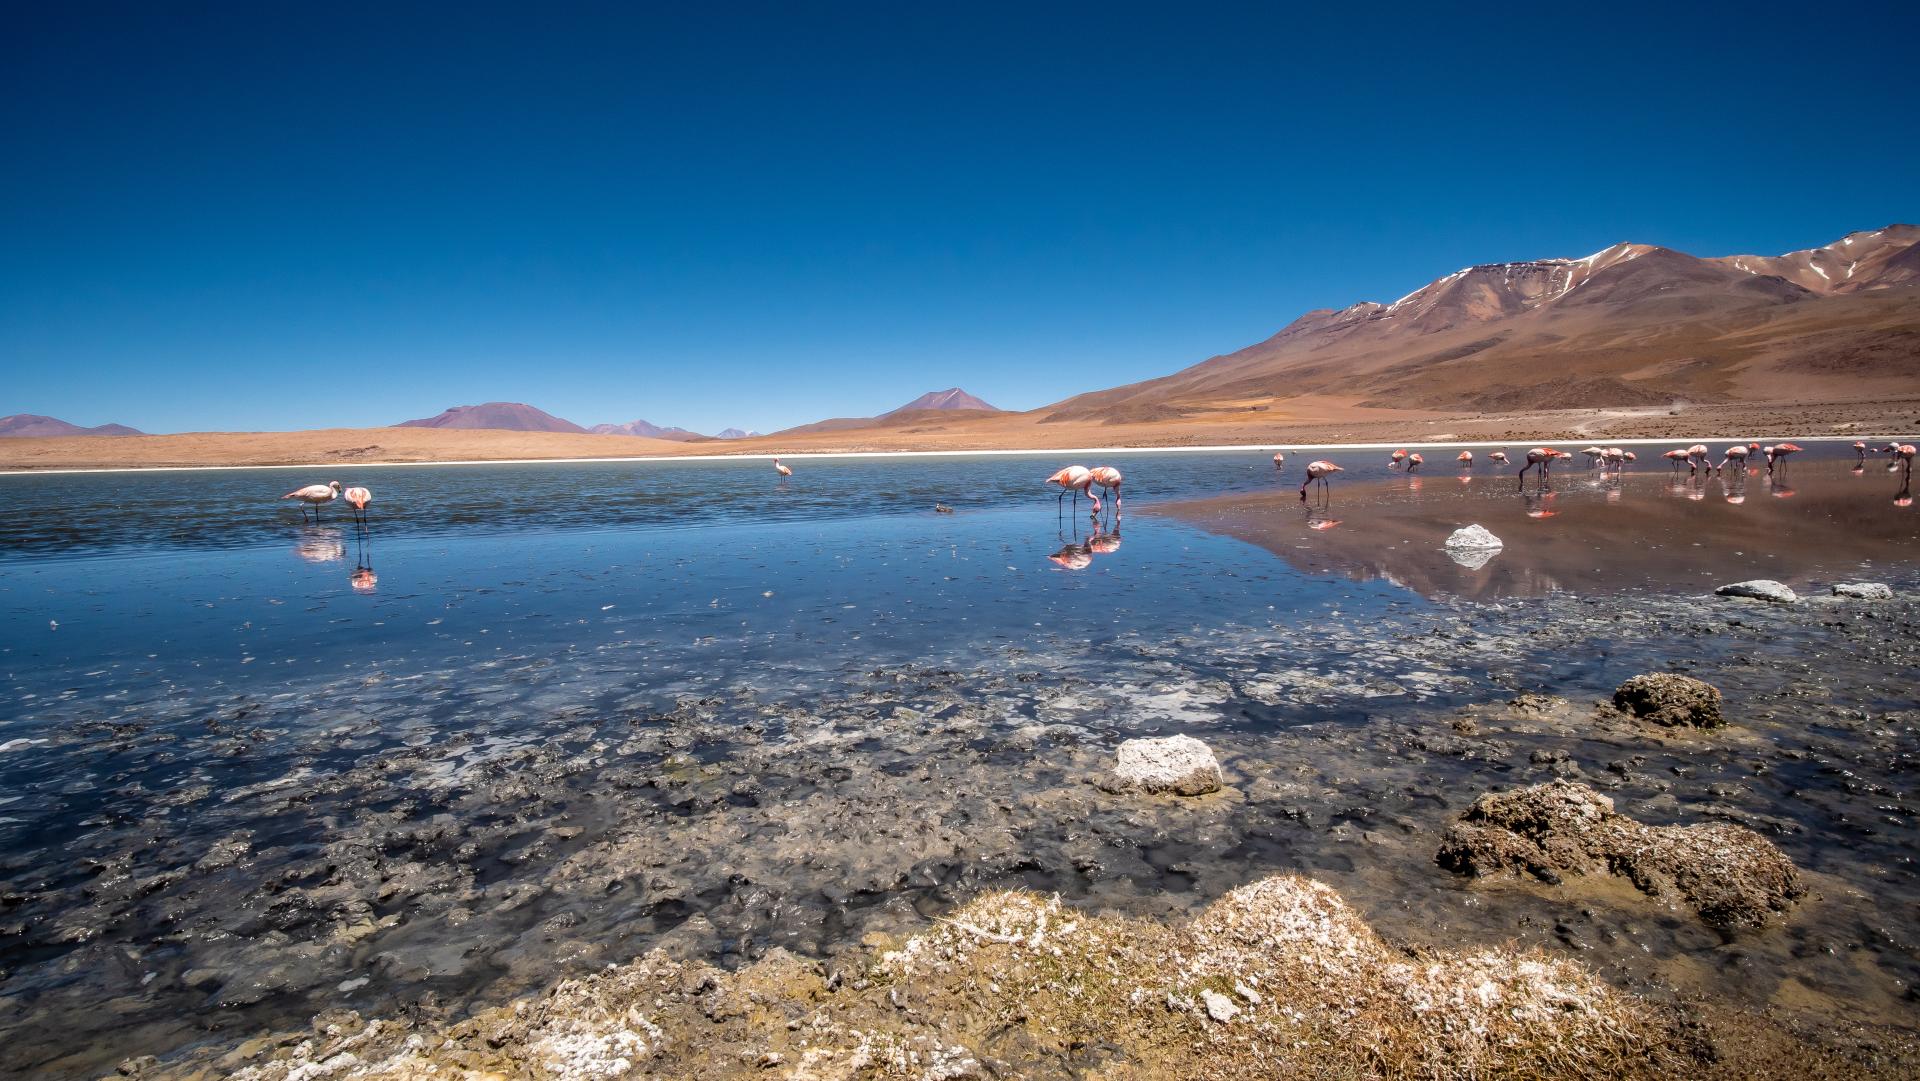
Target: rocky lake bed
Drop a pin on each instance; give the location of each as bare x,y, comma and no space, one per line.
1608,833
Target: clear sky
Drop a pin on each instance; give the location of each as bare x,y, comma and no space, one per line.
262,216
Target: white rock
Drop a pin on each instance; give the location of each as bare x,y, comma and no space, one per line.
1219,1006
1765,589
1471,538
1178,764
1866,591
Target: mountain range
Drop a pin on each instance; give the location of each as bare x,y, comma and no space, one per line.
23,425
1631,324
646,430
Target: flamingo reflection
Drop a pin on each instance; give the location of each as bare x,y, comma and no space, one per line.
320,546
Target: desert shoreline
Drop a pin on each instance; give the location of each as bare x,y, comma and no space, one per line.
1292,449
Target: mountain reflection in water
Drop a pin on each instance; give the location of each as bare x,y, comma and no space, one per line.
1587,531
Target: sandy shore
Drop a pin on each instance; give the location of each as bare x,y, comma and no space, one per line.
1300,424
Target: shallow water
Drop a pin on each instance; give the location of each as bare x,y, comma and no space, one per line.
538,717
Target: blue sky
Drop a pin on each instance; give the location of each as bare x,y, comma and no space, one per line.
269,217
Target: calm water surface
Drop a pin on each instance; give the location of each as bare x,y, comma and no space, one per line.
514,600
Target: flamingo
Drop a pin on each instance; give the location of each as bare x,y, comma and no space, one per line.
781,469
1904,452
1498,457
358,498
1779,451
1697,458
1735,453
1075,479
1318,470
315,496
1676,457
1594,455
1108,478
1398,456
1538,456
1465,458
1279,459
1859,452
1414,462
1629,457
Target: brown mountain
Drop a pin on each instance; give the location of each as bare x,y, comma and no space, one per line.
951,398
647,430
506,416
30,424
933,405
1632,324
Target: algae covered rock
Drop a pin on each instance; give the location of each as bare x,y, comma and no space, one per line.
1731,876
1670,699
1178,764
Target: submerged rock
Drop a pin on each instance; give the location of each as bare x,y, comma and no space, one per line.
1670,699
1763,589
1178,764
1730,875
999,984
1866,591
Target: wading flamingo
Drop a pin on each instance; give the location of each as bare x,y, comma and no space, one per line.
1859,452
1108,478
1465,459
1676,457
358,498
1735,453
1414,462
1779,451
1903,454
1279,458
1498,457
781,469
1075,479
1594,455
1697,459
315,496
1318,470
1396,458
1538,456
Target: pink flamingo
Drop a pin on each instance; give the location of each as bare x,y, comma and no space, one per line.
1735,453
1859,452
1498,457
1318,470
1698,459
358,498
1414,462
1539,456
315,496
1465,458
1075,479
1675,457
1396,458
1904,452
1279,458
1594,455
1108,478
1779,451
781,469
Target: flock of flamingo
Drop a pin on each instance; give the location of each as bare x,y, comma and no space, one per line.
1076,480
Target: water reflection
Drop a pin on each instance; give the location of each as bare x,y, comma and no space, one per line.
316,545
1620,531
